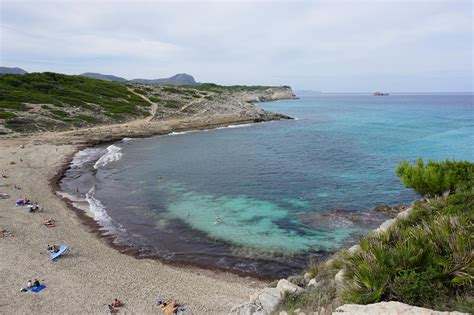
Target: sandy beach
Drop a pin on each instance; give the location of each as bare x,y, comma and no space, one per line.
93,273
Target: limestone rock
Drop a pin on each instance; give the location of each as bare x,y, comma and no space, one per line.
269,299
307,276
404,214
339,277
354,249
286,286
312,282
388,308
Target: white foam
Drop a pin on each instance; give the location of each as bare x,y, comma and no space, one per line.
86,155
97,209
112,154
127,139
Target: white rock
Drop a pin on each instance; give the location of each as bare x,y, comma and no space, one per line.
404,214
269,298
286,286
312,282
387,224
388,308
283,313
354,249
307,276
339,277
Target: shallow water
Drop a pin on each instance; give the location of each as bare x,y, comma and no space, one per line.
263,198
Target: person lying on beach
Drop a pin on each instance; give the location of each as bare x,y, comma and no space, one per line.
117,303
169,307
53,249
50,222
7,233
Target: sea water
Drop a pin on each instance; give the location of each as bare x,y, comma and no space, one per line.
264,198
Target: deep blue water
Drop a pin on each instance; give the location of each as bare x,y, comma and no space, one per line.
264,198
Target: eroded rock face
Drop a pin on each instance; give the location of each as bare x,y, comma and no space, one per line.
388,308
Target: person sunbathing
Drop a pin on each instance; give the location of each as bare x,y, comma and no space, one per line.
169,307
117,303
36,283
53,249
50,222
112,309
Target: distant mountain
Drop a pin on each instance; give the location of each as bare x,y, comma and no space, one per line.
7,70
105,77
177,79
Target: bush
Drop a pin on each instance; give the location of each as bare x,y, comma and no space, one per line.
6,115
435,178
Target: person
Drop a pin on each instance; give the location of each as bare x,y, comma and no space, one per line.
117,303
53,249
169,308
50,222
29,285
36,283
112,309
218,220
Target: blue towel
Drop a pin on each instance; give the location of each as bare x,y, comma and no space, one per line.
62,249
37,289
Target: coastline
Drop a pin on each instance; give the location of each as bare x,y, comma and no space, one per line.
94,273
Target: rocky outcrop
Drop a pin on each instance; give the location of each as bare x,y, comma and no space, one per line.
390,210
388,308
267,300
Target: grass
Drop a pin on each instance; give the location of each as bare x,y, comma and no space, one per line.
65,91
172,104
7,115
425,259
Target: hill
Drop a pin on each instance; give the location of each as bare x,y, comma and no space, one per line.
51,101
16,70
177,79
105,77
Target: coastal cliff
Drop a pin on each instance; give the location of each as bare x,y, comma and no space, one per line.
88,110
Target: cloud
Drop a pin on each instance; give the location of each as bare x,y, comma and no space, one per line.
246,42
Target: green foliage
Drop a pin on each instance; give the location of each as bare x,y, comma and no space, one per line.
112,98
59,113
172,104
154,99
435,178
424,260
6,115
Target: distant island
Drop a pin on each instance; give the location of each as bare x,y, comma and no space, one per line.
380,94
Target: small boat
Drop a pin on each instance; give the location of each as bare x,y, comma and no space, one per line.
380,94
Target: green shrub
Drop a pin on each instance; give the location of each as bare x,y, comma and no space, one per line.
435,178
6,115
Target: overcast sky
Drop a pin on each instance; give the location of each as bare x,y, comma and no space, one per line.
333,46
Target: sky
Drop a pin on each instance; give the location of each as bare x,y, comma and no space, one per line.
331,46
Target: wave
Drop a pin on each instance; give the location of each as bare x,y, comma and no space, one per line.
174,133
112,154
98,210
86,155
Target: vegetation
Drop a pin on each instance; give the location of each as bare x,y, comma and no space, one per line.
72,93
435,178
425,259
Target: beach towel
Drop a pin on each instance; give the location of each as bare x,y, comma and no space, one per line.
37,289
62,250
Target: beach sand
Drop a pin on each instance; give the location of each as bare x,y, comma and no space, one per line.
93,273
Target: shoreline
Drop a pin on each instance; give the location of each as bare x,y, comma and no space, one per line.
95,228
94,273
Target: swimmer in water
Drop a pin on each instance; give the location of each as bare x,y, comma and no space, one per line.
218,220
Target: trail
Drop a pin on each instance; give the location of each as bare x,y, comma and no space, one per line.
153,108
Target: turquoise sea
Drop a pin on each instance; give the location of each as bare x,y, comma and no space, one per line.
264,198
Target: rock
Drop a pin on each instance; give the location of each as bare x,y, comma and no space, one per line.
307,276
312,282
404,214
269,299
385,226
245,309
354,249
283,313
388,210
298,280
286,286
388,308
339,277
